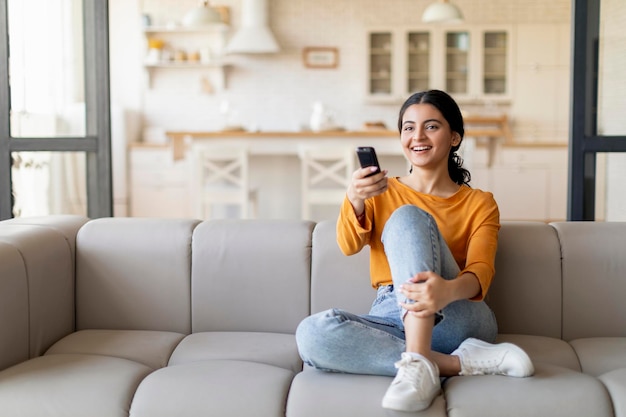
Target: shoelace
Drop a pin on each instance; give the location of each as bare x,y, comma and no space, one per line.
408,369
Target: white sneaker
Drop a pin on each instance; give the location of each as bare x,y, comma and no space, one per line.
415,386
482,358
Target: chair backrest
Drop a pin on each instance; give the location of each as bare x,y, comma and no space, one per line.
221,166
220,175
326,171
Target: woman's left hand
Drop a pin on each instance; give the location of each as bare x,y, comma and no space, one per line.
429,292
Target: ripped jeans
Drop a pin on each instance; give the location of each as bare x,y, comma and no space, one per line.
339,341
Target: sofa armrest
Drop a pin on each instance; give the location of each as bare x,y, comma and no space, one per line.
13,307
37,287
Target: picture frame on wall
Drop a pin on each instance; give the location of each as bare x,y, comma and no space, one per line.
320,57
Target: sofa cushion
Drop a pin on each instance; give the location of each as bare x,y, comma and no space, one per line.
70,385
47,260
270,348
594,282
134,274
150,348
316,393
338,280
599,355
526,291
250,275
545,349
553,391
13,307
213,388
615,383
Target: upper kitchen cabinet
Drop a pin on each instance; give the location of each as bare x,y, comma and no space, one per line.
180,48
473,63
381,66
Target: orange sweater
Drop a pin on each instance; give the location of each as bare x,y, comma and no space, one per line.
468,221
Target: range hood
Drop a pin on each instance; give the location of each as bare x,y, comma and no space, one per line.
254,36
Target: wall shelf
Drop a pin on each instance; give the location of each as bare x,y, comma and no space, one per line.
188,49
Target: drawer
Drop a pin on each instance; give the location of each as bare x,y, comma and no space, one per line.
152,158
555,158
154,176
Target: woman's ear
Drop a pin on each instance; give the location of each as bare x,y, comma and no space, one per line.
456,139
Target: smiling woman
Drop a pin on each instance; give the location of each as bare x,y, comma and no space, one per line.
431,124
432,242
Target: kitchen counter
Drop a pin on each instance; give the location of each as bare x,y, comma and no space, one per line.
515,172
493,128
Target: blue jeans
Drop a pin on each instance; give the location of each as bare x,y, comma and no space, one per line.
339,341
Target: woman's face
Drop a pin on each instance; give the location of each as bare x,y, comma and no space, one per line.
426,137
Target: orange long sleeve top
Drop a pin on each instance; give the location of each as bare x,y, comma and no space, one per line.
469,222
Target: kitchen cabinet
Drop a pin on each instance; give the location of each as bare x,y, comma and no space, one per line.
469,62
189,49
159,184
541,105
528,183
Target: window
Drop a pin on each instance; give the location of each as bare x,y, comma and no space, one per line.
54,108
598,129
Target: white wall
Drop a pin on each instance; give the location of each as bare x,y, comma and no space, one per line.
275,92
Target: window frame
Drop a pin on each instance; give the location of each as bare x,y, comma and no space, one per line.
96,144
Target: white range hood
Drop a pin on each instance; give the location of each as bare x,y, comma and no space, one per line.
254,36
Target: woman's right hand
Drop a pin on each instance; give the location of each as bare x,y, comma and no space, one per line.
363,187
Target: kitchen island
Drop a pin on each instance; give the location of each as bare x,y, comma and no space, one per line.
161,174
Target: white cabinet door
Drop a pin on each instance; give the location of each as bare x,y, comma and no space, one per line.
469,62
540,111
531,183
160,186
557,194
160,201
521,192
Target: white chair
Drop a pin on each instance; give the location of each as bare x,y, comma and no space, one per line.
326,172
220,178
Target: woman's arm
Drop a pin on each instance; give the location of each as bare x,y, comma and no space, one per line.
353,226
432,293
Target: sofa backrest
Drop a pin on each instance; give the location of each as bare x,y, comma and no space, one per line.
594,278
251,275
134,274
337,280
525,294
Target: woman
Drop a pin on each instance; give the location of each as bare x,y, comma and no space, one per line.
433,242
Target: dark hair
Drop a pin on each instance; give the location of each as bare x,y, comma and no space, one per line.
451,112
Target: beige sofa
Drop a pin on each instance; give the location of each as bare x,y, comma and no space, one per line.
152,317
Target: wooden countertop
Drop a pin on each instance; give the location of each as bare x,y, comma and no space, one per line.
284,134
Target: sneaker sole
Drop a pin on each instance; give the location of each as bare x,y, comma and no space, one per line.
398,405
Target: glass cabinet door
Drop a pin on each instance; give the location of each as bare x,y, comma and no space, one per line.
494,58
380,63
457,54
418,62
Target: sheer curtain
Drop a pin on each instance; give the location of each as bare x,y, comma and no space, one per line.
47,100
